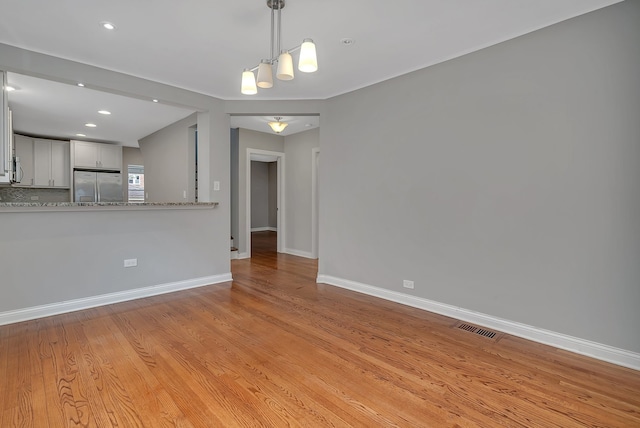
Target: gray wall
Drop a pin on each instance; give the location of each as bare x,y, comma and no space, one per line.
259,194
297,149
169,154
255,140
85,253
503,182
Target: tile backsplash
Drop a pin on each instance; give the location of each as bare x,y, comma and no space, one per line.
24,194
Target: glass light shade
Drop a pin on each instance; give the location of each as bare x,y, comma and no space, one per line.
308,62
278,127
285,66
265,75
248,86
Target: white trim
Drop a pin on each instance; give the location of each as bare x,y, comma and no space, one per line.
244,255
305,254
280,203
579,346
315,153
41,311
264,229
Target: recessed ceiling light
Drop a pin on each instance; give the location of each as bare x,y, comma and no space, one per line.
308,125
104,112
90,125
81,85
108,25
9,88
155,101
80,135
347,41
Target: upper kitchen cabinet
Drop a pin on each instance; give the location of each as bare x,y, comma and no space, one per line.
43,163
50,163
23,147
97,156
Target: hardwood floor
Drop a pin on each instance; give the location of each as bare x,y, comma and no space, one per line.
274,348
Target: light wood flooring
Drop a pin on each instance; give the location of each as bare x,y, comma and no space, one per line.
275,349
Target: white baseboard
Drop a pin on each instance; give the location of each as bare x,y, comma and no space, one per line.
596,350
244,255
41,311
298,253
264,229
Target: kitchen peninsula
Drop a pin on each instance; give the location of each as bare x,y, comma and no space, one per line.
63,256
92,206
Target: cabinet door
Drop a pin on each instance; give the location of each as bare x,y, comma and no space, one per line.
60,164
85,154
42,163
110,157
24,151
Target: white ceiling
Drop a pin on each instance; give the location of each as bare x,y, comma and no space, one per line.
203,45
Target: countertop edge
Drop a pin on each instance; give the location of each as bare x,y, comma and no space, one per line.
89,207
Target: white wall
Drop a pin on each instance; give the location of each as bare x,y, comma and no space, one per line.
298,149
169,154
503,182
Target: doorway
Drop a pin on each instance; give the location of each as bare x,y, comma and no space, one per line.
278,159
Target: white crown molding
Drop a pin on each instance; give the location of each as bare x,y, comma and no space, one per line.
41,311
596,350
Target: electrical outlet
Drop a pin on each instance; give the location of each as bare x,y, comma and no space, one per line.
216,185
131,263
407,284
35,198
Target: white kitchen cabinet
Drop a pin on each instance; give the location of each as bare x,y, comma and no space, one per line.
97,156
50,163
24,151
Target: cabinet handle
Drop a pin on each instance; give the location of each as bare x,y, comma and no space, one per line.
53,183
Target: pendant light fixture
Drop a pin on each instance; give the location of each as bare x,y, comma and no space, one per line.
278,126
307,62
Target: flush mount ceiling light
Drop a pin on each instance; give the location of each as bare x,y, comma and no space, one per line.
105,112
278,126
108,25
307,62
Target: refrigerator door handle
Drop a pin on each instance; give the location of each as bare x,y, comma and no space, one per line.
97,192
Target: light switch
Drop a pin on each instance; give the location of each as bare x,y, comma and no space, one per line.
216,185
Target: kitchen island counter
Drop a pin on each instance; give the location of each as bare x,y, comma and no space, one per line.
99,206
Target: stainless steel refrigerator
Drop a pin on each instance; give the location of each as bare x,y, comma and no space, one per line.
91,186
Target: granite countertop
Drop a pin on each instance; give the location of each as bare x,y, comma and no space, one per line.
90,206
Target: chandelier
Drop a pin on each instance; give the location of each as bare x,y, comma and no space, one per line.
307,63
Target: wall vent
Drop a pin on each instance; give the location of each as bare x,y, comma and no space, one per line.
477,330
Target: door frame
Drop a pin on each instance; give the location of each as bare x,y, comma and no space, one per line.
279,158
315,203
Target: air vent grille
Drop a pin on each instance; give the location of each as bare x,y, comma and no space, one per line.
477,330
